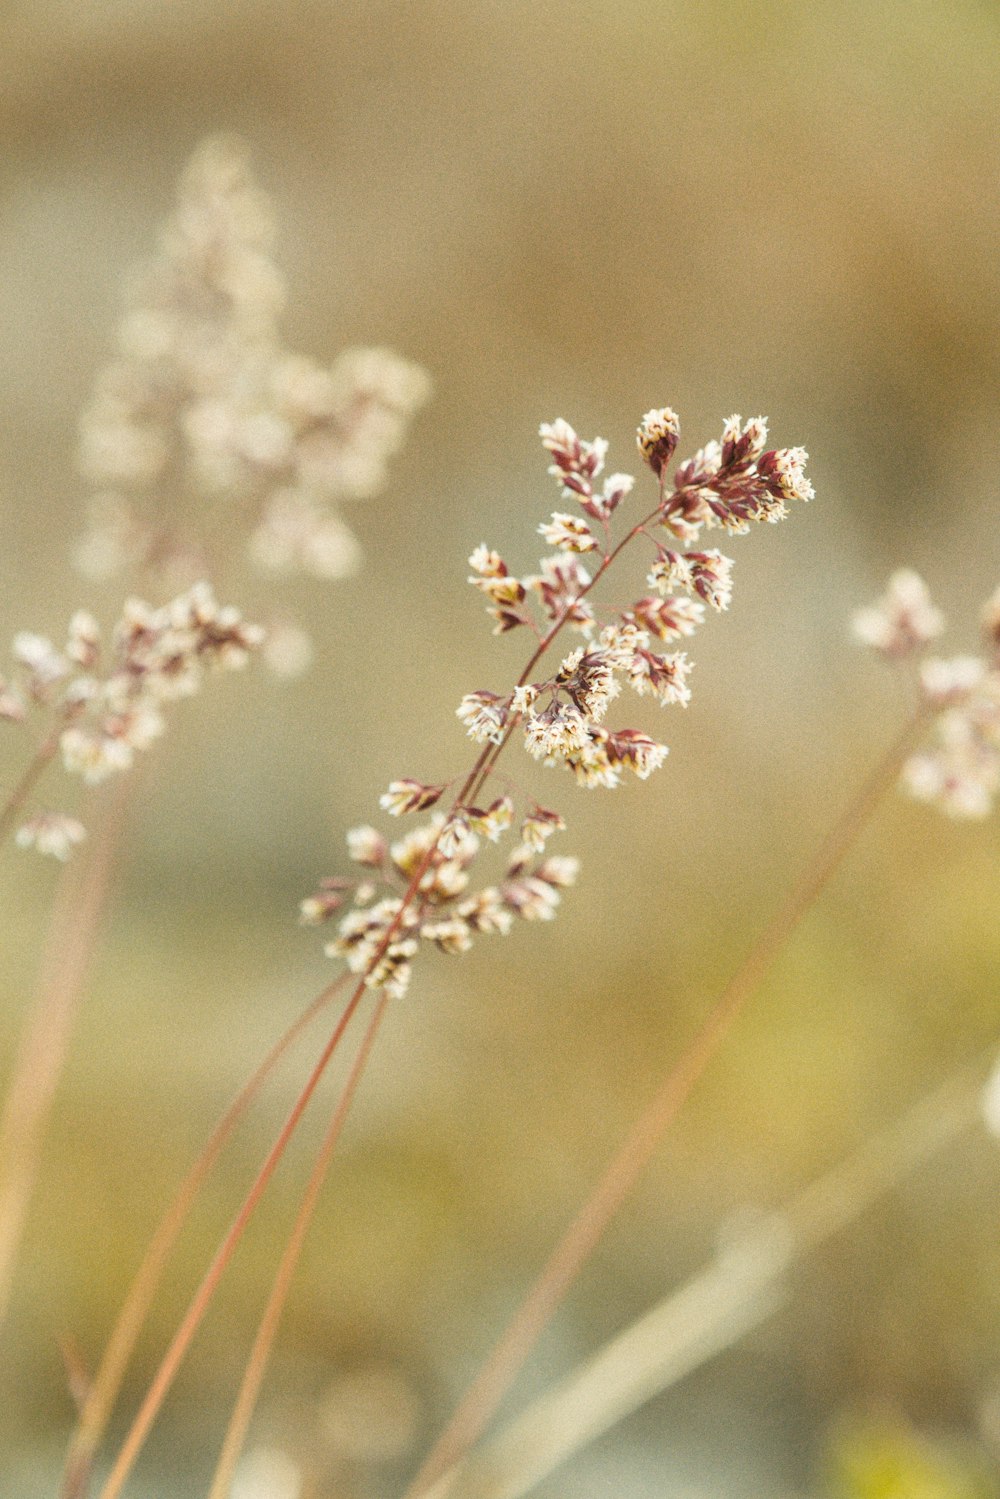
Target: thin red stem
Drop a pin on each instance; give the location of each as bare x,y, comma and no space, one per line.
482,1398
103,1389
253,1377
174,1355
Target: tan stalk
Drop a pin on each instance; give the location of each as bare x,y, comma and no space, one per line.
167,1371
713,1310
480,1402
72,936
11,809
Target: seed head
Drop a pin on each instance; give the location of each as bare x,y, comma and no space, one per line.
657,436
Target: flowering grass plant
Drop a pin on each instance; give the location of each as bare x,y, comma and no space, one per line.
204,428
416,891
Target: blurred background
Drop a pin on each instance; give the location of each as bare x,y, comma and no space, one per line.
579,210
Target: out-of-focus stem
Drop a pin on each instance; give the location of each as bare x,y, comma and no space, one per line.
12,807
480,1402
72,936
712,1311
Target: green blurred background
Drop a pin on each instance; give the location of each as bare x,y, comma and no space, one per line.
558,209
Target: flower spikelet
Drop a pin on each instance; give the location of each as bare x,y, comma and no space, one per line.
577,464
494,821
568,532
560,730
735,482
560,586
538,827
669,618
657,437
51,833
959,770
409,796
662,677
710,574
365,845
109,699
484,715
903,621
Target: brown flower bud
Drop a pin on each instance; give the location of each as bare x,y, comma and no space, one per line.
657,436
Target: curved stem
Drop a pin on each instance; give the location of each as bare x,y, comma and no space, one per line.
253,1376
172,1359
478,1405
106,1383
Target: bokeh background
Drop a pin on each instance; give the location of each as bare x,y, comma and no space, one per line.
585,210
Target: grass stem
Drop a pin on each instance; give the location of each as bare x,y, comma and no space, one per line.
107,1379
502,1365
70,943
257,1363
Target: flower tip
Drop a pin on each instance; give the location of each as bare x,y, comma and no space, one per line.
657,436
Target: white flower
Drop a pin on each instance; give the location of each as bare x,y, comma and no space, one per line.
365,846
484,715
903,620
40,657
569,533
951,681
94,756
523,699
51,833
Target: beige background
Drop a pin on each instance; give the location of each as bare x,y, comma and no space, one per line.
559,209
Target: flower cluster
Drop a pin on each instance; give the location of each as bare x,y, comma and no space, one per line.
417,890
727,485
960,770
381,932
735,482
202,401
107,700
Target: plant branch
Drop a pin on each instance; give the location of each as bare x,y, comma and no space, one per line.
482,766
171,1362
